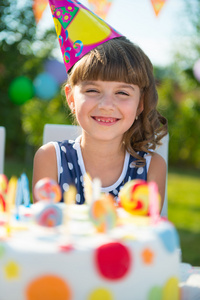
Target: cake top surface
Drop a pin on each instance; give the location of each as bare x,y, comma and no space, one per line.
48,224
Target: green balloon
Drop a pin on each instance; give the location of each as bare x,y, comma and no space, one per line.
21,89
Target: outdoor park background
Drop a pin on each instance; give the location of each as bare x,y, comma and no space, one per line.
171,40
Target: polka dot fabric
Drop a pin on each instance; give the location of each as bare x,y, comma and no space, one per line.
70,170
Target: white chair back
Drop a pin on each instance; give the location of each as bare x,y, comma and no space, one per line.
163,151
59,132
56,132
2,148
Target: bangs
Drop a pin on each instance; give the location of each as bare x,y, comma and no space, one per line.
115,60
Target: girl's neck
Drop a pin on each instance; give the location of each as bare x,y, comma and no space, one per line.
103,159
102,149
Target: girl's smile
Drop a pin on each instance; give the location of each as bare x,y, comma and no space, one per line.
105,121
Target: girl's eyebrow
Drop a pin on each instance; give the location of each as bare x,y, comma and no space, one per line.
127,86
121,85
84,83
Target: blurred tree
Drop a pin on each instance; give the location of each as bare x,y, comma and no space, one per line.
182,109
22,52
179,93
37,113
16,30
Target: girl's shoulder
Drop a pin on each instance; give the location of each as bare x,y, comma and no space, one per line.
158,167
46,152
157,160
158,172
45,163
49,152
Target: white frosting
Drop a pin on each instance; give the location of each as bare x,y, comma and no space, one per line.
32,254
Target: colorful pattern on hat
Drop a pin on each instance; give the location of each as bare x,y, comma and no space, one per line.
78,29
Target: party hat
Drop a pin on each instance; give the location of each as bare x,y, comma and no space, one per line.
78,29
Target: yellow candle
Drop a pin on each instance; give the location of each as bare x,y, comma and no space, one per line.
10,200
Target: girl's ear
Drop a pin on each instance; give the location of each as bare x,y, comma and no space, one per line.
69,97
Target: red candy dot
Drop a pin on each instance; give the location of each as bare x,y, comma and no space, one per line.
66,248
113,260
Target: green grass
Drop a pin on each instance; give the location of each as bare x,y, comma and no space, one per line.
190,246
183,199
184,211
183,206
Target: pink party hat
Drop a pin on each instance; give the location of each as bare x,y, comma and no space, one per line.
78,29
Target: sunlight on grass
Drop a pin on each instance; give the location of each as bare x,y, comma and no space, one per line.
184,200
184,211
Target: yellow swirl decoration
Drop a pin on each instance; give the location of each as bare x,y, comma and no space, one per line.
57,26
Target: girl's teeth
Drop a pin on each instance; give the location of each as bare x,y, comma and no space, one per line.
106,121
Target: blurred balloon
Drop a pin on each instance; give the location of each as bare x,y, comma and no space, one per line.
56,69
38,8
20,90
100,7
45,86
158,5
196,70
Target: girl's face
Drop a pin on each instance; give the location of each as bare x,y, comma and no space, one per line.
105,109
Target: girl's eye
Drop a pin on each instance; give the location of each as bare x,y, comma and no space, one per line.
91,91
123,93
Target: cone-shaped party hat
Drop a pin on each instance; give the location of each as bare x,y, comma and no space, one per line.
78,29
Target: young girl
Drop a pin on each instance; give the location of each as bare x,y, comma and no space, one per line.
111,91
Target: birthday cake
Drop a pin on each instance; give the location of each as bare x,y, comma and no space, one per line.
59,251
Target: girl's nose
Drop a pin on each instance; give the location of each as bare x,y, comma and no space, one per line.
106,102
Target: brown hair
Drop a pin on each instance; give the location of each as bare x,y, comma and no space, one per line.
121,60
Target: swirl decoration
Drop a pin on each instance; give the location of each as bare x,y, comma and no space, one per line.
103,213
60,38
67,55
2,203
48,190
50,216
77,44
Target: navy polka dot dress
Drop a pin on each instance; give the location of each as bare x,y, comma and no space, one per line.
71,169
